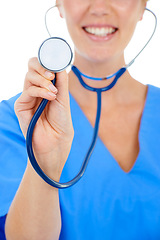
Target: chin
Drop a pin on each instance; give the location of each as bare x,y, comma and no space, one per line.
99,58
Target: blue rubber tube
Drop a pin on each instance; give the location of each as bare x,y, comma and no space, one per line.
88,155
95,133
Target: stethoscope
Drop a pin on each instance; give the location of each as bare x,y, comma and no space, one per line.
55,55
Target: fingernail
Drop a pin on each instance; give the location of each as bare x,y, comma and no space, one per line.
48,74
52,88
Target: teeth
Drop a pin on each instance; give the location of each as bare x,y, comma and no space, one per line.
100,31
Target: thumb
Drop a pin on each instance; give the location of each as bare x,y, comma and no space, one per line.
62,86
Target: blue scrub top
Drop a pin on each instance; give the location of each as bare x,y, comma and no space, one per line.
107,203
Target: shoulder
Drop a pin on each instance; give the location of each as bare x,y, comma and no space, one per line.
150,120
152,106
153,94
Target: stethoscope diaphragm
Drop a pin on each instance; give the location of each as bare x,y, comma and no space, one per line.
55,54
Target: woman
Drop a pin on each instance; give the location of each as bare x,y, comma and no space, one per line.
118,197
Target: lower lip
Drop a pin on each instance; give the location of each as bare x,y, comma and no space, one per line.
100,38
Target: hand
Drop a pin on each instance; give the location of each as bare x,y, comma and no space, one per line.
53,133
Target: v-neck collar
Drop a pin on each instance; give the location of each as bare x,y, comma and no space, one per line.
90,129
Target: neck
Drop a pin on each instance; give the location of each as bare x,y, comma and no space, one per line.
121,93
99,69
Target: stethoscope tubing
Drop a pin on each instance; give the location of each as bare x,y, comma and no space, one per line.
32,158
103,89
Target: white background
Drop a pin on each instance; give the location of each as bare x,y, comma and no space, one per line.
22,31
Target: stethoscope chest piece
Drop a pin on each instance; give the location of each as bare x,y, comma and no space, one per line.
55,54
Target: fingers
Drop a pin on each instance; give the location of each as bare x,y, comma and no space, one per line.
62,86
33,78
34,65
61,82
38,83
37,92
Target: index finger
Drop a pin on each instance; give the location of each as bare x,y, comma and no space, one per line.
34,65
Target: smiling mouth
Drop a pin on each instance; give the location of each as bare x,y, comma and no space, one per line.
100,31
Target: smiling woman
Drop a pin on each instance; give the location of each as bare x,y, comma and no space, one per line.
120,188
25,46
93,29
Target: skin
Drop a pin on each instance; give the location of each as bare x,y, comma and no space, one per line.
122,107
105,54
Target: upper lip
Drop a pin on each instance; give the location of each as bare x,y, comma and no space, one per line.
100,26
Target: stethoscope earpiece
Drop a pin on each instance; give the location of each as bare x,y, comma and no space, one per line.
55,54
